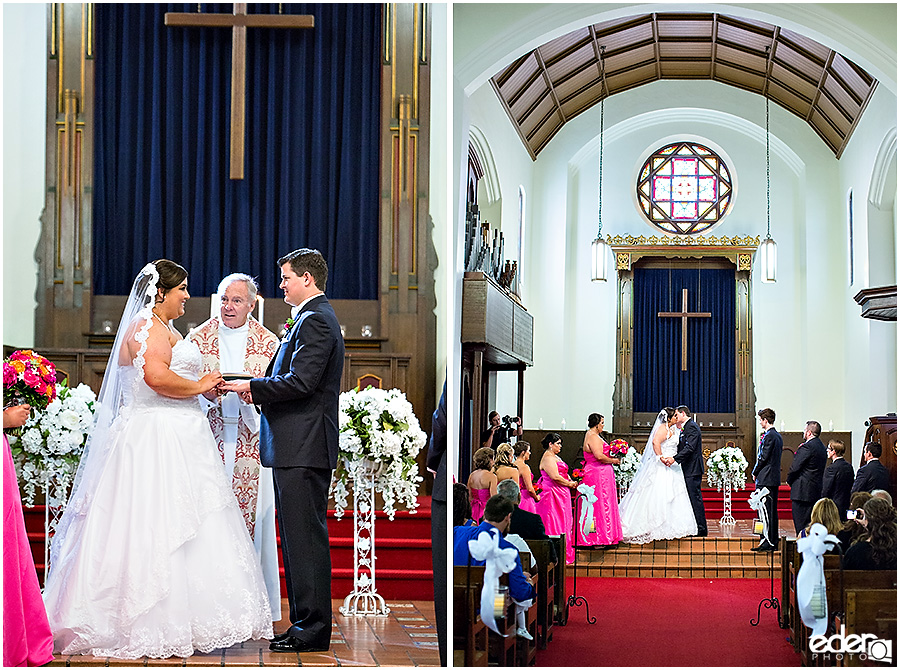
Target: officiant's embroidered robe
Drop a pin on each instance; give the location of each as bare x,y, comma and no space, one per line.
261,347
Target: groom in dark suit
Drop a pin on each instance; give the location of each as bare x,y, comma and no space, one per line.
298,439
690,457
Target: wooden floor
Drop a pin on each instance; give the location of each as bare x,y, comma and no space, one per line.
405,637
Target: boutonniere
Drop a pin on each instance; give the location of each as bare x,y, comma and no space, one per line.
286,328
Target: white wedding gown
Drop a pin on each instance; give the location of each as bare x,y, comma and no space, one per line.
657,507
157,561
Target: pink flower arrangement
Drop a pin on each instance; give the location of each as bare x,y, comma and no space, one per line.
28,378
578,474
618,448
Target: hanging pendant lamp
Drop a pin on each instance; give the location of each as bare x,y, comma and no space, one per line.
600,250
768,249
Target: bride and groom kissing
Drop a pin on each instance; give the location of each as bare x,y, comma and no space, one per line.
664,501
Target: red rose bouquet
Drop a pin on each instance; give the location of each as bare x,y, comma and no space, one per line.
618,448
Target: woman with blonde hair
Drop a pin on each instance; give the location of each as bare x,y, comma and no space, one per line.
482,482
825,512
505,463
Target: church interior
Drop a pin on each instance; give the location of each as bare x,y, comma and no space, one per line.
574,250
223,137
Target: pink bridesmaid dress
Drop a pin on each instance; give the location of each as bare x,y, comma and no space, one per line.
555,508
606,510
526,503
479,500
27,639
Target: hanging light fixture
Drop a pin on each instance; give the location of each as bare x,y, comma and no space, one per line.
768,249
600,250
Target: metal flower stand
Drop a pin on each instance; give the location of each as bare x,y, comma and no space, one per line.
55,498
727,519
364,600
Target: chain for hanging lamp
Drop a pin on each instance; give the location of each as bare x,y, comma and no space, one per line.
599,248
768,249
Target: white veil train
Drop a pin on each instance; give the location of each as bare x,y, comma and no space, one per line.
135,322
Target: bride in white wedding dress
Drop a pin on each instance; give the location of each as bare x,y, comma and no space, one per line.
657,506
152,556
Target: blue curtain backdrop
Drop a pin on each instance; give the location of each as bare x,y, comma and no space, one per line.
708,385
161,185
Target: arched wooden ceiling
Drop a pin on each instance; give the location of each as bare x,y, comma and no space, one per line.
562,78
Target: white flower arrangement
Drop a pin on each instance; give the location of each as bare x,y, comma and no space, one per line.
378,429
726,467
52,442
627,469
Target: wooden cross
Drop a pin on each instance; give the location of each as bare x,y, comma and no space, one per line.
239,21
684,314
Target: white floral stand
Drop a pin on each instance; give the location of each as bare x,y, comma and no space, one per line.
364,600
727,519
55,497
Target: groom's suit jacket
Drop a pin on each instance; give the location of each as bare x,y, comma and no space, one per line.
690,450
298,397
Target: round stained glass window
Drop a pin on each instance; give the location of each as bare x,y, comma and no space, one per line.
684,188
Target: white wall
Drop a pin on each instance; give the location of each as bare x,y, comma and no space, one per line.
24,74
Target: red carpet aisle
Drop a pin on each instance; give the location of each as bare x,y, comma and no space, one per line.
670,622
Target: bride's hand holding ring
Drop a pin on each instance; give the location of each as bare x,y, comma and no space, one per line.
210,381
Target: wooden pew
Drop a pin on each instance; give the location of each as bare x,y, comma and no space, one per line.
470,635
546,590
501,648
560,596
872,611
526,650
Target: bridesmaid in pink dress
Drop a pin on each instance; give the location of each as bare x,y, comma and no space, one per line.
529,497
598,472
482,482
27,639
555,505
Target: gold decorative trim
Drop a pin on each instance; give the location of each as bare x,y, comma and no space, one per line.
684,241
744,262
623,261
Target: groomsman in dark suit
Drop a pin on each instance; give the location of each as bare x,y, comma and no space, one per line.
298,439
806,474
767,473
690,456
838,479
873,475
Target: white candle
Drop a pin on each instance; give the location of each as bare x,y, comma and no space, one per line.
830,426
541,423
563,424
782,426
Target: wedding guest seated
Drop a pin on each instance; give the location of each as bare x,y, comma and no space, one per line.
852,530
876,549
482,482
523,523
462,509
826,513
497,513
884,495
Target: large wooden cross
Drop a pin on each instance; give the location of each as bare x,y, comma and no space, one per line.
684,315
239,21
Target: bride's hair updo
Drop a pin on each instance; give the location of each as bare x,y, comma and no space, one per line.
670,412
594,420
171,274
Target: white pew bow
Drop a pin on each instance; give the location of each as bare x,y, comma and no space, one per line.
811,578
497,561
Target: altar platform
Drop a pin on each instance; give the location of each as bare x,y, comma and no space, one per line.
404,638
724,553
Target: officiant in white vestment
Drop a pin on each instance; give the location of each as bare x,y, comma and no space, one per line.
235,342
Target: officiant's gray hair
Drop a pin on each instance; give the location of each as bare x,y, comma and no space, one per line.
252,287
